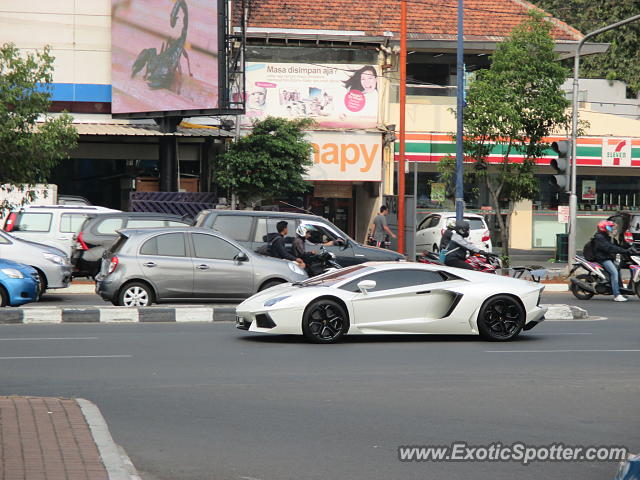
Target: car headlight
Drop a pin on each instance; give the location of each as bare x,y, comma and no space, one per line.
57,259
295,268
273,301
12,273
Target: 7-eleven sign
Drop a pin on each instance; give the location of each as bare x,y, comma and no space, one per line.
616,152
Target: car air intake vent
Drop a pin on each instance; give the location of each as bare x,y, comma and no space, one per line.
263,320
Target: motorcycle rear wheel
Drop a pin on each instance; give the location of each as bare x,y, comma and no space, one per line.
579,293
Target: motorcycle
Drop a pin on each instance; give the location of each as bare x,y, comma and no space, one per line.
596,279
321,262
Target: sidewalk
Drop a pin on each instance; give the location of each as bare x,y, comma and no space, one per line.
43,438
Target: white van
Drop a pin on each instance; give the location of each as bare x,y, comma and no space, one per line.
52,225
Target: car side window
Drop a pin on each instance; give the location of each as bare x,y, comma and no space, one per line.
265,226
434,221
144,223
237,227
71,222
165,245
392,279
32,222
426,221
321,234
3,241
172,223
210,246
109,226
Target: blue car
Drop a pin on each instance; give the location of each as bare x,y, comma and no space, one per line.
18,283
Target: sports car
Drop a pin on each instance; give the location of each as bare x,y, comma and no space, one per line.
392,298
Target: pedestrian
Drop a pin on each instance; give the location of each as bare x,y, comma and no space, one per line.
381,230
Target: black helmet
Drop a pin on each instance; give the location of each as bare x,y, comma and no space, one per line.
462,228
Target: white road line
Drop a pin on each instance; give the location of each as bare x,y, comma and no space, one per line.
48,338
569,333
560,351
65,357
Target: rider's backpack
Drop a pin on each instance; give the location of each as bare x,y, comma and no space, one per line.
588,251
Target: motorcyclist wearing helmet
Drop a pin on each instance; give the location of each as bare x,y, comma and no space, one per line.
459,246
303,232
446,238
604,251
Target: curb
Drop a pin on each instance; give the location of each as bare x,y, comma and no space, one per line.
565,312
48,315
114,458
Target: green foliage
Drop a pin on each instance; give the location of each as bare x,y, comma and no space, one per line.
622,60
510,108
31,142
269,162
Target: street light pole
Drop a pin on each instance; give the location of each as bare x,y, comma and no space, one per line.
459,113
403,99
573,198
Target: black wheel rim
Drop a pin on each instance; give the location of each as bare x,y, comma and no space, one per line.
325,322
502,318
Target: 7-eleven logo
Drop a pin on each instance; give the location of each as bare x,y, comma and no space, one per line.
616,152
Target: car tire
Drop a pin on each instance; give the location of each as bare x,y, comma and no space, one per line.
269,284
4,297
324,321
135,294
581,294
637,289
42,284
501,318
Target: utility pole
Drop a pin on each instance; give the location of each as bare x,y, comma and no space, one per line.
573,198
403,98
460,113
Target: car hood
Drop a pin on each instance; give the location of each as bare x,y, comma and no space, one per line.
42,246
21,267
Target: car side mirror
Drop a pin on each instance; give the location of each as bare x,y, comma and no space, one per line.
241,257
365,285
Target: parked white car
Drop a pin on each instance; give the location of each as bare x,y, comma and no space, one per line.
432,227
51,225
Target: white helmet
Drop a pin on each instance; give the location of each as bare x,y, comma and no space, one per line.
302,230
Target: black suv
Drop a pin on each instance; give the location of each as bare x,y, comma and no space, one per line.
99,231
251,229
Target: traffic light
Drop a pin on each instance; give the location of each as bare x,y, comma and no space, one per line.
562,165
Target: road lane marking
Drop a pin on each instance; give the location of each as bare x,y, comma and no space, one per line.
58,357
570,333
48,338
562,351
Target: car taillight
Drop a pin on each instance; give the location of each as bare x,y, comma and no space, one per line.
10,223
113,264
82,245
628,237
486,236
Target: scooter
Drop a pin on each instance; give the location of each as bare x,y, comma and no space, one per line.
321,262
596,279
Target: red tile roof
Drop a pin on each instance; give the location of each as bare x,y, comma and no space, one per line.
429,19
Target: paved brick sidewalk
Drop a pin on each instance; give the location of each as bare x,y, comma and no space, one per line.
47,439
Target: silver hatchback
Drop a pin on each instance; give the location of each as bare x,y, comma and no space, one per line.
150,265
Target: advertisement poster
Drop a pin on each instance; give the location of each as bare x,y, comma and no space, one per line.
164,55
335,96
563,214
345,156
437,192
588,190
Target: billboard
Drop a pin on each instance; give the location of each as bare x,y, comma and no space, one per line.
166,56
335,96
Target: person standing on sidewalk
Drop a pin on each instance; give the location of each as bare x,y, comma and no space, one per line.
381,229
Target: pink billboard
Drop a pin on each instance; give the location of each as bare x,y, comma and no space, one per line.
164,55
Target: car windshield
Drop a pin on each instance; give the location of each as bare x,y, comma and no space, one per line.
331,278
475,223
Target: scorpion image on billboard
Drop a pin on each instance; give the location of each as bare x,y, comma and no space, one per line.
164,55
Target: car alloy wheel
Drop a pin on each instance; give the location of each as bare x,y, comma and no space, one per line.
136,295
501,318
324,321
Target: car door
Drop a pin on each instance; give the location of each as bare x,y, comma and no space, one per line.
404,301
164,262
422,235
217,272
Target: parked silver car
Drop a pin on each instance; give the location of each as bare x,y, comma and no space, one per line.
150,265
52,265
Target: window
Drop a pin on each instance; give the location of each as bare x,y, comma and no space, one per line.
237,227
210,246
265,226
144,223
424,223
321,234
167,245
392,279
4,241
109,226
172,223
71,222
475,223
32,222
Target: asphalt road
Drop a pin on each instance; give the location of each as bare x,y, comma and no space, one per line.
207,401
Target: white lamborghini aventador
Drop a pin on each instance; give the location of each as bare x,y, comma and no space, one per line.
395,298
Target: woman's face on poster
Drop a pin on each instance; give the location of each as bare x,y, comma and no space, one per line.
368,80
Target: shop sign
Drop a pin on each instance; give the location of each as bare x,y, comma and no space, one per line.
616,152
345,157
563,214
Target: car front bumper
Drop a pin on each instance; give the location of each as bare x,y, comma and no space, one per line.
534,317
58,276
21,290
